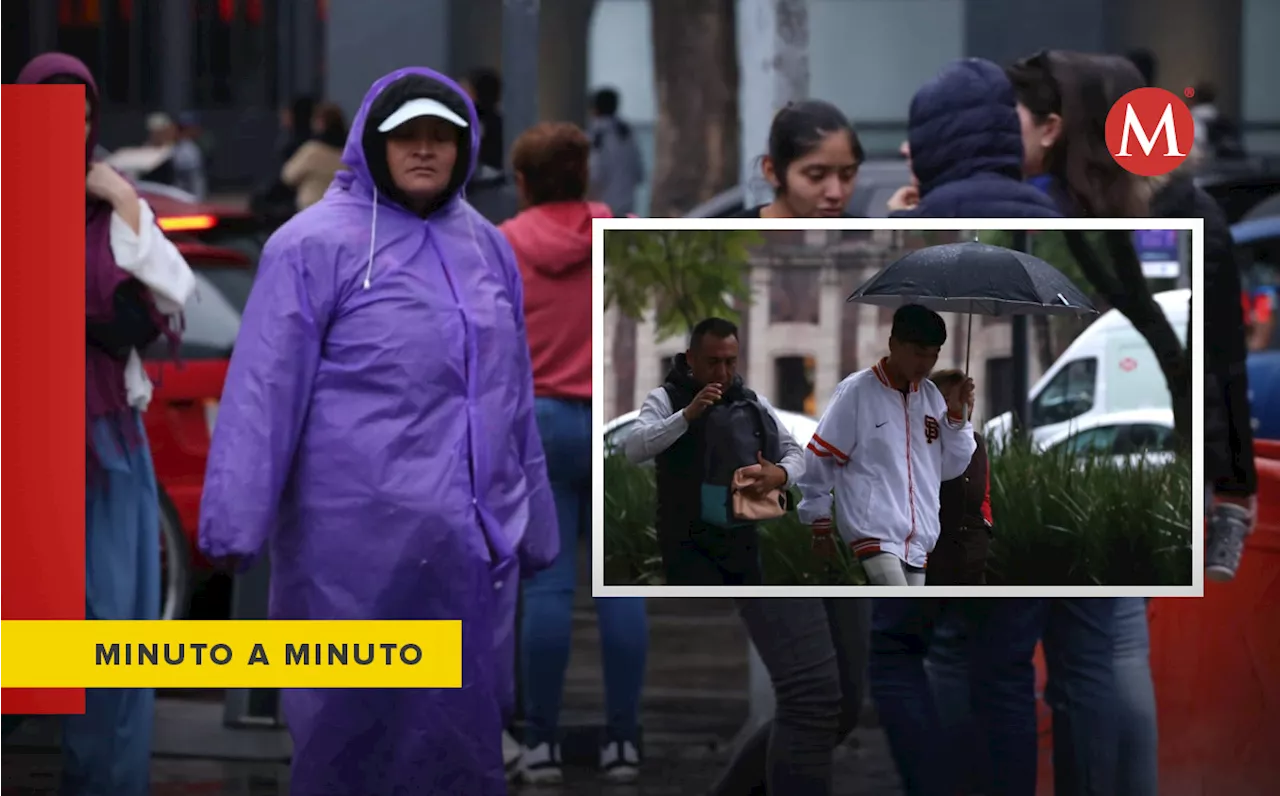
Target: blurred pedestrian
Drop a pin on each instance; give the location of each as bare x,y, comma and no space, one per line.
378,428
1217,135
965,149
812,163
273,199
190,158
551,237
617,168
484,86
313,166
135,283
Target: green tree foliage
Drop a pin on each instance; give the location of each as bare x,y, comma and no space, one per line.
686,275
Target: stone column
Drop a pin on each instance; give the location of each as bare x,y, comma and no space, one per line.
759,372
827,356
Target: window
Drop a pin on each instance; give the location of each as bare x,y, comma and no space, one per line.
794,294
234,53
616,438
998,386
1120,440
793,384
1068,394
1100,441
1144,438
117,41
18,45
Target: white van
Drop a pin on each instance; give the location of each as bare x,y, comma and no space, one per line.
1109,368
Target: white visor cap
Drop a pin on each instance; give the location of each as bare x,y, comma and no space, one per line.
421,107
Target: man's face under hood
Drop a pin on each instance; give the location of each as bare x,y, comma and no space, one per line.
423,162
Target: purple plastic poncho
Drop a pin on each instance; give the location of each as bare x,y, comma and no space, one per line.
382,440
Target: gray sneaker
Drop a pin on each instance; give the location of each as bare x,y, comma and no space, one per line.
1229,525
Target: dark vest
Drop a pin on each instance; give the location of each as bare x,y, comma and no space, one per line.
961,499
679,476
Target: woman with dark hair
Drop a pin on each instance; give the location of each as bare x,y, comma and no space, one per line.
551,238
1063,102
812,163
314,165
135,282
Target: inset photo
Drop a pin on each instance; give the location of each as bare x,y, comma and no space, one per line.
861,407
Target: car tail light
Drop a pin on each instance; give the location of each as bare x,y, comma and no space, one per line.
211,415
188,223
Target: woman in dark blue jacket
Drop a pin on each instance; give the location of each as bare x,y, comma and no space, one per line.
967,154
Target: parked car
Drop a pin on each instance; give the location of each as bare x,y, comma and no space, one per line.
1109,368
184,408
877,181
617,430
1135,437
183,217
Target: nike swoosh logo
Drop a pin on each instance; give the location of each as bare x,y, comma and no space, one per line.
878,425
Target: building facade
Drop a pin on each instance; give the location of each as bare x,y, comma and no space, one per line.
799,337
236,62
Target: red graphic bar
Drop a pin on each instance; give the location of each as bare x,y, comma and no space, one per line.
42,363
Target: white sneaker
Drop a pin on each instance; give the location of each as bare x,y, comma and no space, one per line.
540,765
512,753
620,761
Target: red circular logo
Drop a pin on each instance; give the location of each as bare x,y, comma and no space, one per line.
1127,364
1150,131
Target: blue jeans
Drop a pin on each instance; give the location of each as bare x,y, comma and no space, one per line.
947,666
901,631
107,749
547,620
1078,636
1139,738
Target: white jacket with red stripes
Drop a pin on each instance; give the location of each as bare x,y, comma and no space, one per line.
884,453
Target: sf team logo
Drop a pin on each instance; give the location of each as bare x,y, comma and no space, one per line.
1150,131
930,429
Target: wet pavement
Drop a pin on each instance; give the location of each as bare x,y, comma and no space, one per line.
668,771
695,703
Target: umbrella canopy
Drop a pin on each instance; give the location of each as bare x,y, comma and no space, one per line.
975,278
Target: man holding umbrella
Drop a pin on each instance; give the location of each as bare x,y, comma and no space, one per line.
885,444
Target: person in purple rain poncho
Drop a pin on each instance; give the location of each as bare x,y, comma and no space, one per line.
377,429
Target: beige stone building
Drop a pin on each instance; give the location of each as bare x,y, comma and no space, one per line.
800,337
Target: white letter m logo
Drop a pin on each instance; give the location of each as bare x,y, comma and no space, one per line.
1134,125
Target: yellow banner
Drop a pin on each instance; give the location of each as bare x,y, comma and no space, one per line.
234,654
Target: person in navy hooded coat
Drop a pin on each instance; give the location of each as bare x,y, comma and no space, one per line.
965,146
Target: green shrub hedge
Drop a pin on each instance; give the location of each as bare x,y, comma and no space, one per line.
1058,521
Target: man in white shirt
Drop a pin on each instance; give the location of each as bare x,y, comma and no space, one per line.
887,441
815,649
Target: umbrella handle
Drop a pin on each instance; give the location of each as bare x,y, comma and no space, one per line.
968,345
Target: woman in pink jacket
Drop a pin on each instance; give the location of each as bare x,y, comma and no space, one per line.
552,240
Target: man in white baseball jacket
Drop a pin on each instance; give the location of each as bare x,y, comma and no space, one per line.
885,444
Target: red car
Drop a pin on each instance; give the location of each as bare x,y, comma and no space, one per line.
183,409
182,217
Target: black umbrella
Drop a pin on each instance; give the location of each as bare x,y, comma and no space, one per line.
975,278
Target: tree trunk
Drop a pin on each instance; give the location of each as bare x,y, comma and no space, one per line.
696,145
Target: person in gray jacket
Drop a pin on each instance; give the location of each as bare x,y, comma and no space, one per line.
616,167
